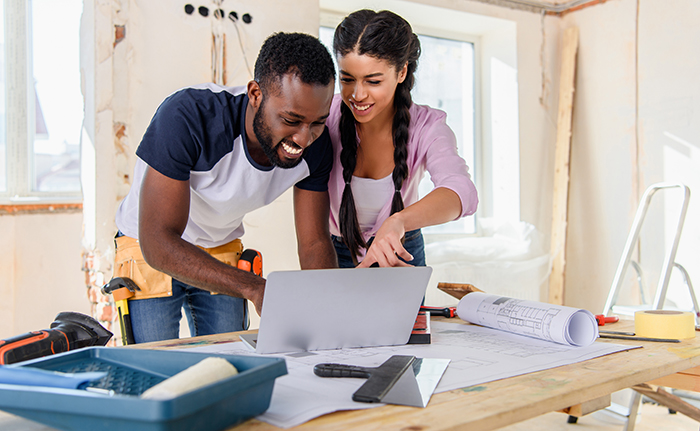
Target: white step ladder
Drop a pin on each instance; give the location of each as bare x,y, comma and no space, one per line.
662,288
669,261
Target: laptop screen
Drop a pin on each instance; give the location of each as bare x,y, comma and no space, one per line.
340,308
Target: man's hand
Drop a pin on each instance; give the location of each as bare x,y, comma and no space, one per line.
257,298
386,247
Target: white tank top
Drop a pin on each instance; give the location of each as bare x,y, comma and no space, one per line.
370,197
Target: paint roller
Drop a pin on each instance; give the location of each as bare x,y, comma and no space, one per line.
204,373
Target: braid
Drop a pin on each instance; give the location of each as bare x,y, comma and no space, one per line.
349,226
402,118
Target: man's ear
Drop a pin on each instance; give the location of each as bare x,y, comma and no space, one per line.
255,94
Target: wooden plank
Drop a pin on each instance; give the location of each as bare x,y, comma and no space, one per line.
457,290
589,406
688,380
561,165
669,400
684,381
695,371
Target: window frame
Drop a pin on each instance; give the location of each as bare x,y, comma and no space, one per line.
19,103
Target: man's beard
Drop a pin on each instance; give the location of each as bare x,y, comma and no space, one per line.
262,132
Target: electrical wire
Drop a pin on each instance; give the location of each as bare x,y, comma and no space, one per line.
542,65
240,43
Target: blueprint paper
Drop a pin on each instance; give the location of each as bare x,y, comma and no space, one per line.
557,323
478,355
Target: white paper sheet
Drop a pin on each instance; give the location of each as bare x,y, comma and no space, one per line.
565,325
478,355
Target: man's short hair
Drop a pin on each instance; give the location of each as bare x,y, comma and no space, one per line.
297,53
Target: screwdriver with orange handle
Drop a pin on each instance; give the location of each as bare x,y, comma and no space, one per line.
440,311
602,320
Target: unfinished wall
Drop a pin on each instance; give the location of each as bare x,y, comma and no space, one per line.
602,194
636,123
40,270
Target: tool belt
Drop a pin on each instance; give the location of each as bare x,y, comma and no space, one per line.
129,262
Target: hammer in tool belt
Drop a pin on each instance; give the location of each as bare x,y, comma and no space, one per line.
122,289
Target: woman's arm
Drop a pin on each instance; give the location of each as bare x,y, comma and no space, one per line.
439,206
454,195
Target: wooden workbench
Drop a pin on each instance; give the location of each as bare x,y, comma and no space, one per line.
492,405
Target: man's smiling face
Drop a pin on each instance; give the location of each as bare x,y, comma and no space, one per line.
290,118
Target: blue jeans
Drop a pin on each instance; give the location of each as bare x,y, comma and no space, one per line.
156,319
413,243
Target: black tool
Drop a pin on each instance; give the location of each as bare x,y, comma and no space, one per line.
402,380
69,331
251,261
380,379
660,340
631,334
440,311
122,289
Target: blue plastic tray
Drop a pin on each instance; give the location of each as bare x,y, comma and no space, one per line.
130,373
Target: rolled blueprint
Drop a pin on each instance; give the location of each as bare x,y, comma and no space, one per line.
203,373
557,323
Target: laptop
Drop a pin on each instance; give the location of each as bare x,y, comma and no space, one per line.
339,308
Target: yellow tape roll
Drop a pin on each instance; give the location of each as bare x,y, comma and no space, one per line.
679,325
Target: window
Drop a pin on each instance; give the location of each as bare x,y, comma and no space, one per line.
42,111
445,80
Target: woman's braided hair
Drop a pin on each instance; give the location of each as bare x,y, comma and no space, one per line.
384,36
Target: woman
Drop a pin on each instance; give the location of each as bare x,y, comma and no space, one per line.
383,144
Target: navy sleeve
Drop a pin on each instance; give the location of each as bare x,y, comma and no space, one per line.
191,131
319,157
168,145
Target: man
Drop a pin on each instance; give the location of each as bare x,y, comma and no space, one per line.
211,155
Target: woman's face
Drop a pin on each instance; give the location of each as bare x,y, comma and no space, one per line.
367,86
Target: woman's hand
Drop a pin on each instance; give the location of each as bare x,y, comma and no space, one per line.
386,247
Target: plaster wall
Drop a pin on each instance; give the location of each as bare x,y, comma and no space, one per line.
636,122
669,124
40,271
7,277
602,193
